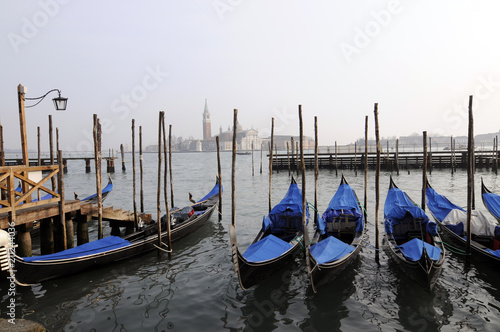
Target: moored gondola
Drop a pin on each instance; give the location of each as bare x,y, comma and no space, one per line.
338,235
491,201
279,238
412,239
452,220
30,270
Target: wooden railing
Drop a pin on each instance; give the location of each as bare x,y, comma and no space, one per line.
14,200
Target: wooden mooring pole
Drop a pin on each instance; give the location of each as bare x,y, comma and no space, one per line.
220,177
366,167
316,166
141,171
136,221
397,156
51,147
165,190
377,185
39,151
233,170
170,167
271,164
470,176
123,158
158,192
424,170
98,170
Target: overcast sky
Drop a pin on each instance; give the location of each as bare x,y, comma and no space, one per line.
124,60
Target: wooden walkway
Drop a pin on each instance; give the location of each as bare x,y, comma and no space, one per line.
389,161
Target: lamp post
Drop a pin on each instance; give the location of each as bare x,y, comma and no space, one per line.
24,237
59,103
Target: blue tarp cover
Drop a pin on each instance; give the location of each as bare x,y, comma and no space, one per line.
94,247
496,252
439,205
492,202
330,249
291,206
213,192
343,202
397,204
413,250
268,248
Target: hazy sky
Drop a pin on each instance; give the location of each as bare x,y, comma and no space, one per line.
124,60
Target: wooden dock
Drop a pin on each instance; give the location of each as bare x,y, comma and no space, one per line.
55,216
389,161
110,162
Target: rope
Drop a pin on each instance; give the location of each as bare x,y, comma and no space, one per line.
311,206
363,207
370,245
165,250
454,249
299,239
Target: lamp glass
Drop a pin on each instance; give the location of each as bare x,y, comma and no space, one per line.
60,103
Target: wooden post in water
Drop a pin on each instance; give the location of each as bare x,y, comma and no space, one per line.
424,170
51,147
165,190
39,151
470,175
136,223
220,177
496,155
356,158
316,166
67,228
293,154
261,145
271,163
158,192
304,217
141,171
288,156
276,157
377,183
97,158
366,167
297,158
452,161
253,173
430,155
397,156
123,158
170,167
336,166
68,223
2,151
233,169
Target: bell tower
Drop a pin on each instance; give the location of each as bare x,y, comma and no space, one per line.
207,125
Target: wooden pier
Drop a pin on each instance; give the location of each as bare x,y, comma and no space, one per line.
19,212
110,162
389,161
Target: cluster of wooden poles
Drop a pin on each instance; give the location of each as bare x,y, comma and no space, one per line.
470,174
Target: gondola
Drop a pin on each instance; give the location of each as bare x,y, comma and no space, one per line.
412,239
491,201
337,238
30,270
105,192
274,246
452,220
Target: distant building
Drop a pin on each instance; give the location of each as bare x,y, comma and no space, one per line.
207,123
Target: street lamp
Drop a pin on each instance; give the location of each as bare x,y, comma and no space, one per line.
59,103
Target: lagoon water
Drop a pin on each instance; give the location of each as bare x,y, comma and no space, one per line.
197,289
